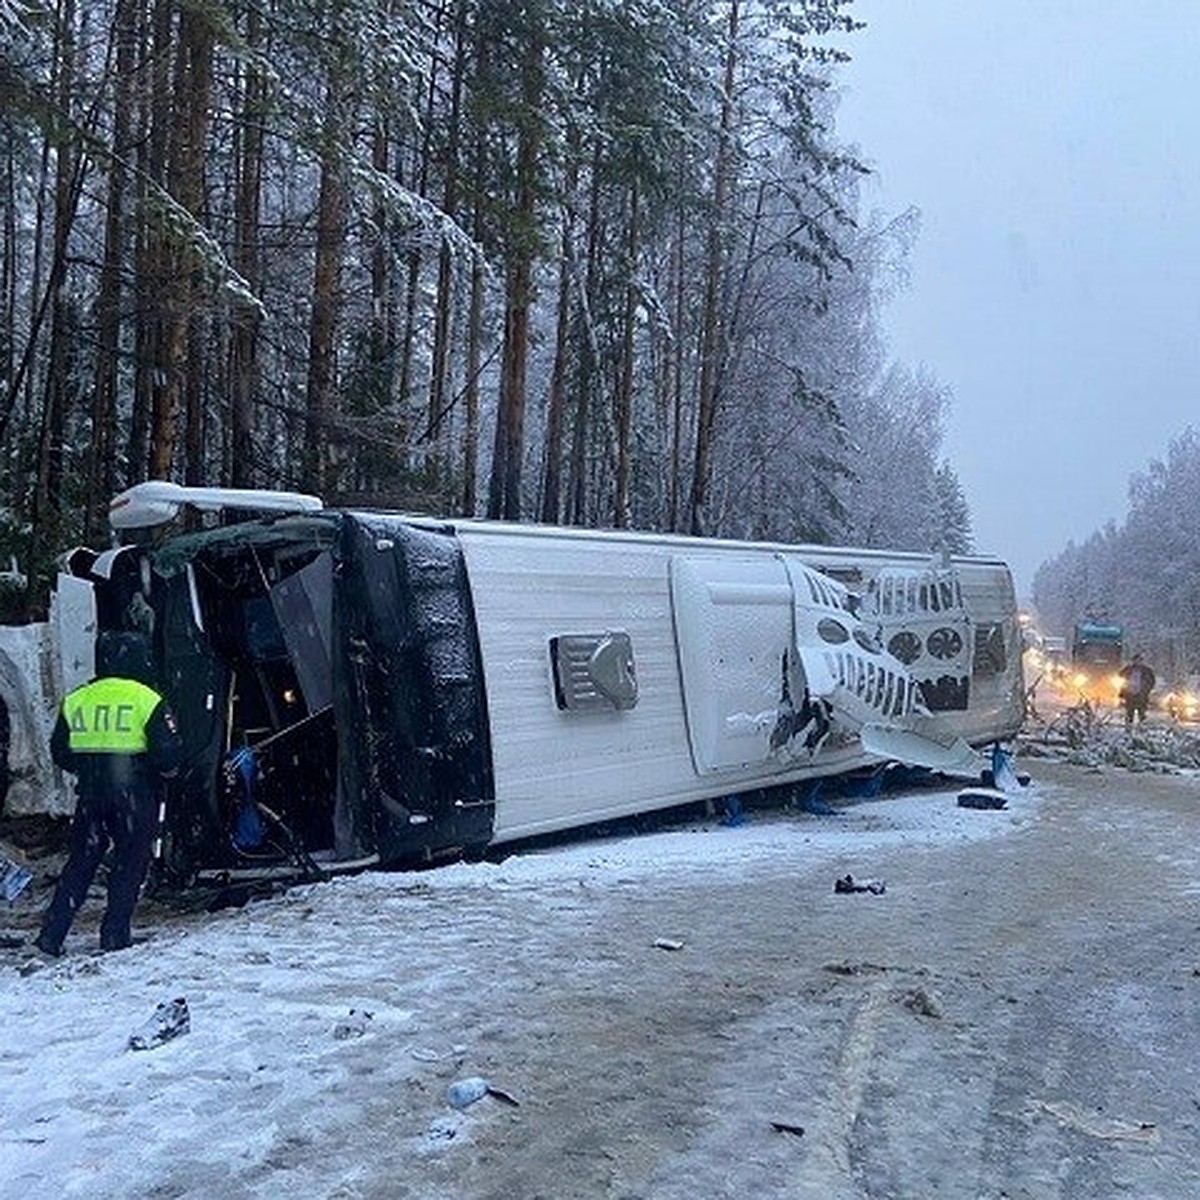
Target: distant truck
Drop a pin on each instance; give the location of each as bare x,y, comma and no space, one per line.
1097,652
1054,654
1051,660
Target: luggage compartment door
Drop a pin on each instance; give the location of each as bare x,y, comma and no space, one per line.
733,629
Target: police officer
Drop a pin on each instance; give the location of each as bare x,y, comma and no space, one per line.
118,736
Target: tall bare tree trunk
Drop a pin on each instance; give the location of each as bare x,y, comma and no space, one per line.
326,309
556,402
381,340
152,263
674,487
19,380
624,392
56,393
438,425
504,492
177,392
712,343
243,352
8,270
589,360
195,381
470,448
101,474
420,182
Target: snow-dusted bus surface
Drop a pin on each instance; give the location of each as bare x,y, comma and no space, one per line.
365,687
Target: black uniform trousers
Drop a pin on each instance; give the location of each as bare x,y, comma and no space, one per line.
124,816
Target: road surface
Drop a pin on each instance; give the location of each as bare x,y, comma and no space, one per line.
1015,1018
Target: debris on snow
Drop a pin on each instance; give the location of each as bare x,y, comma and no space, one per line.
852,968
428,1054
982,797
353,1025
441,1131
788,1127
923,1002
503,1096
847,884
462,1093
171,1018
1099,1127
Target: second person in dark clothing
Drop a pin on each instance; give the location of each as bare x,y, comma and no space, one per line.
1138,682
118,736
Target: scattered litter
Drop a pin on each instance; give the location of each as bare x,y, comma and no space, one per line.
1100,1127
462,1093
982,797
171,1018
442,1130
848,884
787,1127
664,943
353,1025
923,1003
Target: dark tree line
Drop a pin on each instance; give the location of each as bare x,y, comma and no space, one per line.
1143,572
594,262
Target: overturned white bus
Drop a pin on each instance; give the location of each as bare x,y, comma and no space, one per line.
359,688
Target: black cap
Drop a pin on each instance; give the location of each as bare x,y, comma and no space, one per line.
126,655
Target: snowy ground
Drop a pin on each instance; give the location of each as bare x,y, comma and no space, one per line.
691,1013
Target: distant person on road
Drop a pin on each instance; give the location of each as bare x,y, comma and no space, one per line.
118,736
1139,681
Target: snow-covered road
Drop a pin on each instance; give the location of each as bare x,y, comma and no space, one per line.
653,1003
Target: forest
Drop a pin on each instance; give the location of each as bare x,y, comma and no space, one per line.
594,262
1143,572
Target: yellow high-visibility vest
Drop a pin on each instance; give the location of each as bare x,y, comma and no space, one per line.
109,716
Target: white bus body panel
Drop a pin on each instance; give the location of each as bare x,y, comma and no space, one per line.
556,768
39,663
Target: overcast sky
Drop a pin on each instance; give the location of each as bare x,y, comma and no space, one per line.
1053,150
